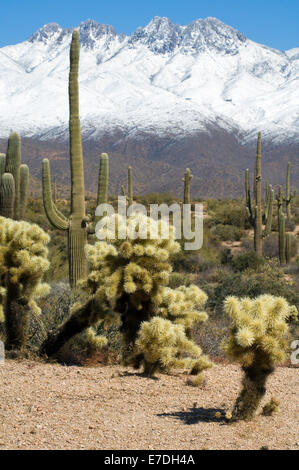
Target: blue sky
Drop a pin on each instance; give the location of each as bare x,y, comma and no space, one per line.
270,22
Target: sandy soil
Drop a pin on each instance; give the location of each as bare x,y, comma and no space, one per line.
48,406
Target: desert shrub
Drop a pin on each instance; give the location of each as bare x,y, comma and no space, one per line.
269,278
178,279
228,232
229,213
258,340
127,285
248,260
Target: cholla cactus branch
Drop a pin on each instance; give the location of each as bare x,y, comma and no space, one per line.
23,261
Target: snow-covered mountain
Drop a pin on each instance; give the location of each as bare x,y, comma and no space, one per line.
164,79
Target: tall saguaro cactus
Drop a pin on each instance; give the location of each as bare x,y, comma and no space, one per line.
76,225
255,207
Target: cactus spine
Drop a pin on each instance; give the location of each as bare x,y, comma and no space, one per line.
7,195
103,179
76,225
254,208
187,180
130,186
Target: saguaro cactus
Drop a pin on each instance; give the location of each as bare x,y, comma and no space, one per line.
103,179
187,181
55,190
288,247
7,195
130,186
2,163
255,208
76,225
24,181
282,239
289,196
13,162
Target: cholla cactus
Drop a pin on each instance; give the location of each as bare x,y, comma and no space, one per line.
258,341
23,261
128,283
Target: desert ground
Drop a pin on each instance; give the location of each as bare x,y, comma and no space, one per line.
50,406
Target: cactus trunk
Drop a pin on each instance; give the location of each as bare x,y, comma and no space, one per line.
24,182
13,162
103,180
77,223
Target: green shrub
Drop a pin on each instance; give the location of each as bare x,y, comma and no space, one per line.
228,232
249,260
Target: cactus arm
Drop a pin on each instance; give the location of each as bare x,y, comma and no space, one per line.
54,217
130,186
248,198
288,248
279,199
2,163
187,180
55,190
7,195
123,191
269,220
24,181
282,239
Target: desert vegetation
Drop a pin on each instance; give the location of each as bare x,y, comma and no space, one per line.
148,303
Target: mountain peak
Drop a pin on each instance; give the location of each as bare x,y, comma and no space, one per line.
46,33
161,35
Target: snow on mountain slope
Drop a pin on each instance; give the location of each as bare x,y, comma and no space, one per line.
164,79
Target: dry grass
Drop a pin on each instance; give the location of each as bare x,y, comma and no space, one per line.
48,406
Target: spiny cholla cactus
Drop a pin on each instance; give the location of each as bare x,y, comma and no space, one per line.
23,261
127,283
258,341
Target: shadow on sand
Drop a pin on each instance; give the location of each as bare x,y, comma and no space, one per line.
197,415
